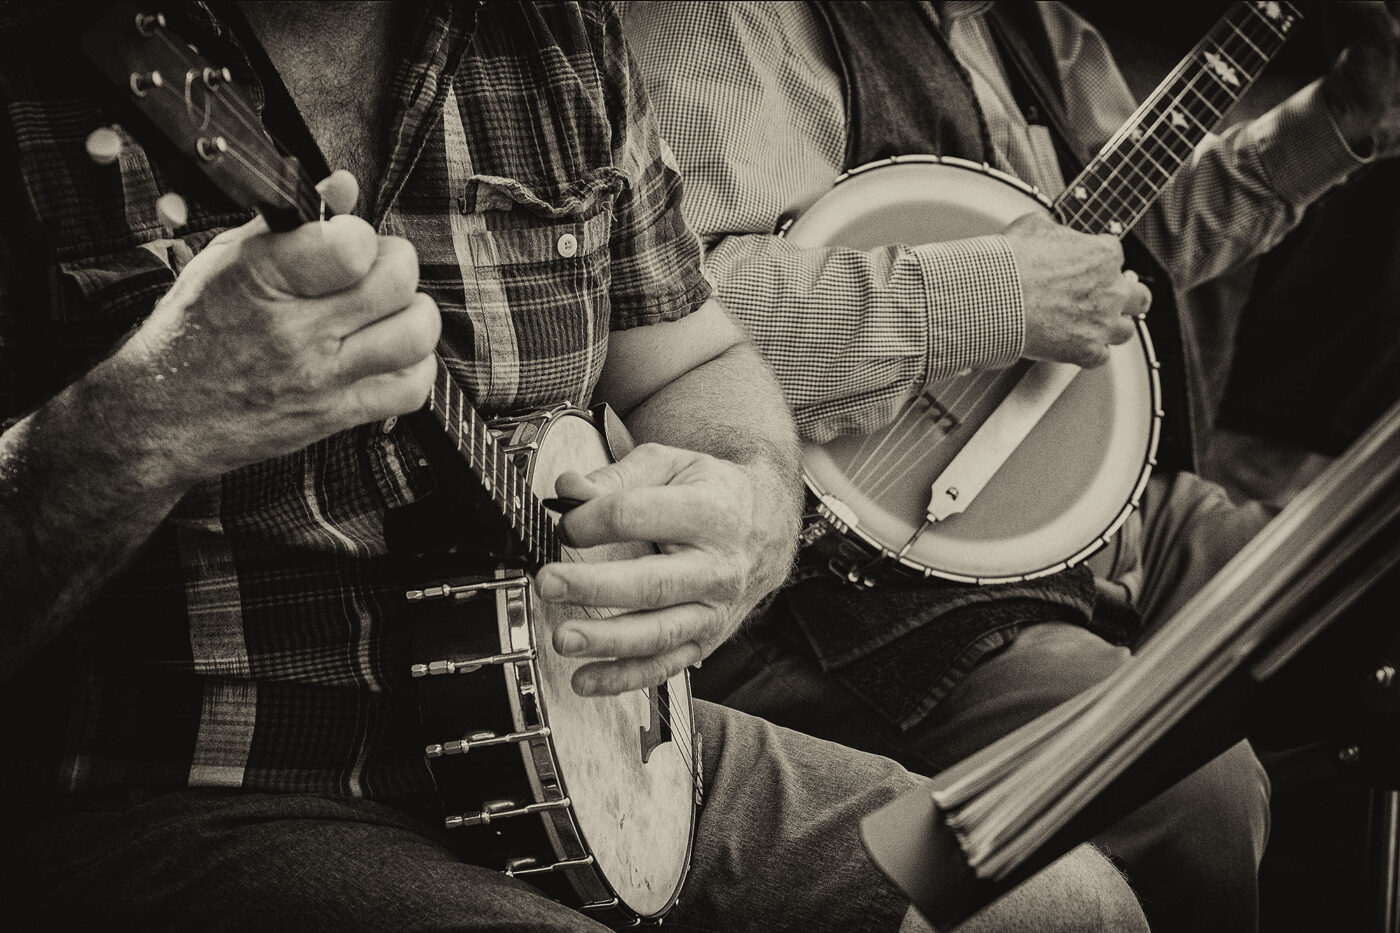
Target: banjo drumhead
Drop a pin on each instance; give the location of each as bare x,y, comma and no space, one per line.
635,816
1068,484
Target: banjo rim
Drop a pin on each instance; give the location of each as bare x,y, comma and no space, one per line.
837,515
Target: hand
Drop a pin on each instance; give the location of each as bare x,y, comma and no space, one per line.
1362,90
1078,299
720,553
270,341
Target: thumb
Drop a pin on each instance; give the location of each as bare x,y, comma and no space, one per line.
1032,224
315,259
646,465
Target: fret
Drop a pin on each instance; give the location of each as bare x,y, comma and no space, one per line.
1245,38
1202,100
1166,172
1231,52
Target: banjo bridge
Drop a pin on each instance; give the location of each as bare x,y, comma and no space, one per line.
657,731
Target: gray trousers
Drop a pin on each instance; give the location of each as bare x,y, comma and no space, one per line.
1192,854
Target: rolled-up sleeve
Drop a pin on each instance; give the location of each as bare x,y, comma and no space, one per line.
656,257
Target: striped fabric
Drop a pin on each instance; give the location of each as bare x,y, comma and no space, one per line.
750,96
259,641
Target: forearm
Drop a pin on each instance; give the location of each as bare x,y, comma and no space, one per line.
850,333
731,408
1245,189
80,491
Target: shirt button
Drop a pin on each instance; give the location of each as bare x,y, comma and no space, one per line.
389,423
567,246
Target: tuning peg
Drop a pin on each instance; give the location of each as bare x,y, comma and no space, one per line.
103,145
142,83
210,147
172,210
147,23
213,77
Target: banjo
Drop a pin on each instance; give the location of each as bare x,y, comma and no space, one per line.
593,799
1004,476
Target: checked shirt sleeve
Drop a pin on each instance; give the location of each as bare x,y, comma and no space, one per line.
748,97
1240,193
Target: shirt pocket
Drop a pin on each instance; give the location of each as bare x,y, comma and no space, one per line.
531,324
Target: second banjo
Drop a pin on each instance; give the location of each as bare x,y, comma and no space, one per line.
1005,475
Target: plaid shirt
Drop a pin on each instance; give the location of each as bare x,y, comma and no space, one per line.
259,640
750,95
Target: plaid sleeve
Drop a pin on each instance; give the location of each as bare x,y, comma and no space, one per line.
656,257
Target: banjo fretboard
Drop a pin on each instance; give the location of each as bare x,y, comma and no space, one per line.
1126,176
530,522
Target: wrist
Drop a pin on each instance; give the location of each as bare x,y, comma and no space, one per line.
1355,126
125,418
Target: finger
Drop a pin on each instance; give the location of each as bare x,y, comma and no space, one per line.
1121,330
312,260
1030,224
340,191
385,395
1092,356
387,288
682,513
1141,300
639,634
392,343
608,678
646,465
652,581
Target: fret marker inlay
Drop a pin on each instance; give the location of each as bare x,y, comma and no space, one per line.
1222,68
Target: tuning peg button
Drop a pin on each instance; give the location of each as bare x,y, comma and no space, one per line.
172,210
103,145
141,84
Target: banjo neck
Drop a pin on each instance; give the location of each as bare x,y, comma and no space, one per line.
500,478
1130,171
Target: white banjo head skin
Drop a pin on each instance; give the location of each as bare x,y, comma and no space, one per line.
1079,472
635,817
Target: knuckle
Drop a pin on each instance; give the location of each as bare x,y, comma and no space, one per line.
399,259
732,582
658,591
668,636
655,671
623,517
425,326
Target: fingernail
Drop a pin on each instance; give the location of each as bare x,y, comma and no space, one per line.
550,587
571,642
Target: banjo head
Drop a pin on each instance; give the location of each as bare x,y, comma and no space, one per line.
633,797
1063,491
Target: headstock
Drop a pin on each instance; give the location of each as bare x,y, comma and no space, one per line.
197,108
